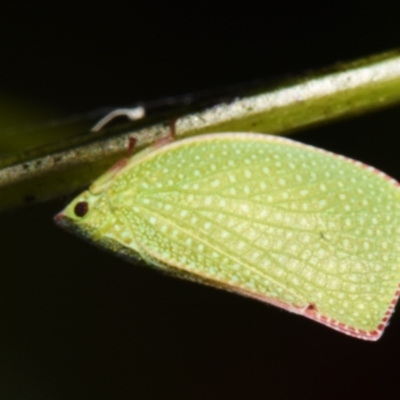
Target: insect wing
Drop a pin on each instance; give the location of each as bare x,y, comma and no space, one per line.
298,227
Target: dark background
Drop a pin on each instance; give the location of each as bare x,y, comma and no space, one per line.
76,323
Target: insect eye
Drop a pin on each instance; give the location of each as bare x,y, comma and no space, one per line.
81,208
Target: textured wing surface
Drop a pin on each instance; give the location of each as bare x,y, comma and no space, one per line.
280,221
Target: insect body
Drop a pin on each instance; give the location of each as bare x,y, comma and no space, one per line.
312,232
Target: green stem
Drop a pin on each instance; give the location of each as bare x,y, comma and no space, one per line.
340,92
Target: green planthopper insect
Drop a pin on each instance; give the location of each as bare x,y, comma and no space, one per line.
298,227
